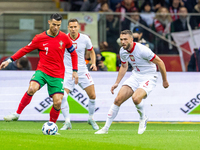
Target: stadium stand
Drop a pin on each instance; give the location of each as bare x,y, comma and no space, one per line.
10,35
27,5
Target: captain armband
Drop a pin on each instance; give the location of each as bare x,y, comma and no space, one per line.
71,49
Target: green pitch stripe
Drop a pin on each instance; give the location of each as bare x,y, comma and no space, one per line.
75,107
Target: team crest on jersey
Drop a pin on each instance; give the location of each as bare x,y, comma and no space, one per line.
61,44
132,58
75,45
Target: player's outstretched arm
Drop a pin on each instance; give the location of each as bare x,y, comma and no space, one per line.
121,73
93,67
162,69
5,64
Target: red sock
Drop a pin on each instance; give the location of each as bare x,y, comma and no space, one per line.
26,99
54,114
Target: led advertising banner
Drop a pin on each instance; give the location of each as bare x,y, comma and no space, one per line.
179,102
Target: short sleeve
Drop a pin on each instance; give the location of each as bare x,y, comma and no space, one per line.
147,54
89,44
122,56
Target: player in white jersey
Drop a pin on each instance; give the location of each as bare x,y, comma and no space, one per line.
140,83
80,42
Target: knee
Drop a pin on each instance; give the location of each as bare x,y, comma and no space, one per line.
117,101
92,96
32,90
136,99
57,103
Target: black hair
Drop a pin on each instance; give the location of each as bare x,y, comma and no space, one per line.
56,16
73,20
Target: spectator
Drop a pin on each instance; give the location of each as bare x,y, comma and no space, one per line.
194,64
65,5
138,33
126,6
128,25
197,10
112,33
190,4
75,5
161,25
104,7
147,13
157,4
174,8
182,23
162,21
99,62
114,4
92,5
20,64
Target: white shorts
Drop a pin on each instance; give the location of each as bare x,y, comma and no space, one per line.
84,80
146,82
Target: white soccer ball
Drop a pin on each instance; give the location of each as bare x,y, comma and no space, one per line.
49,128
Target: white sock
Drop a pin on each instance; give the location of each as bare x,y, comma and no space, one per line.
112,113
91,108
140,109
65,107
17,114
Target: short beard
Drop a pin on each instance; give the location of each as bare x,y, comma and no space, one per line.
128,46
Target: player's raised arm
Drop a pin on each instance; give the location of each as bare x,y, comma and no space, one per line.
121,73
162,69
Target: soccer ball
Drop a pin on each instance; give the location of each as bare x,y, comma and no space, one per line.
49,128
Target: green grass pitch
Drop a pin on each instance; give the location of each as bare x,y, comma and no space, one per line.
27,135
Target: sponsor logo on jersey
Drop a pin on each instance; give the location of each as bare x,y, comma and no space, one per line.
45,44
61,44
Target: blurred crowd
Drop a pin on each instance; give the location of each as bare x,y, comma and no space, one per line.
142,15
161,16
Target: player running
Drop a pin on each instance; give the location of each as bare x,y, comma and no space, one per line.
80,42
50,70
140,83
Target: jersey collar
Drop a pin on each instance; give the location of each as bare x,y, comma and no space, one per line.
76,38
51,35
132,48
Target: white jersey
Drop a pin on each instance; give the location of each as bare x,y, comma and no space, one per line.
140,58
81,43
